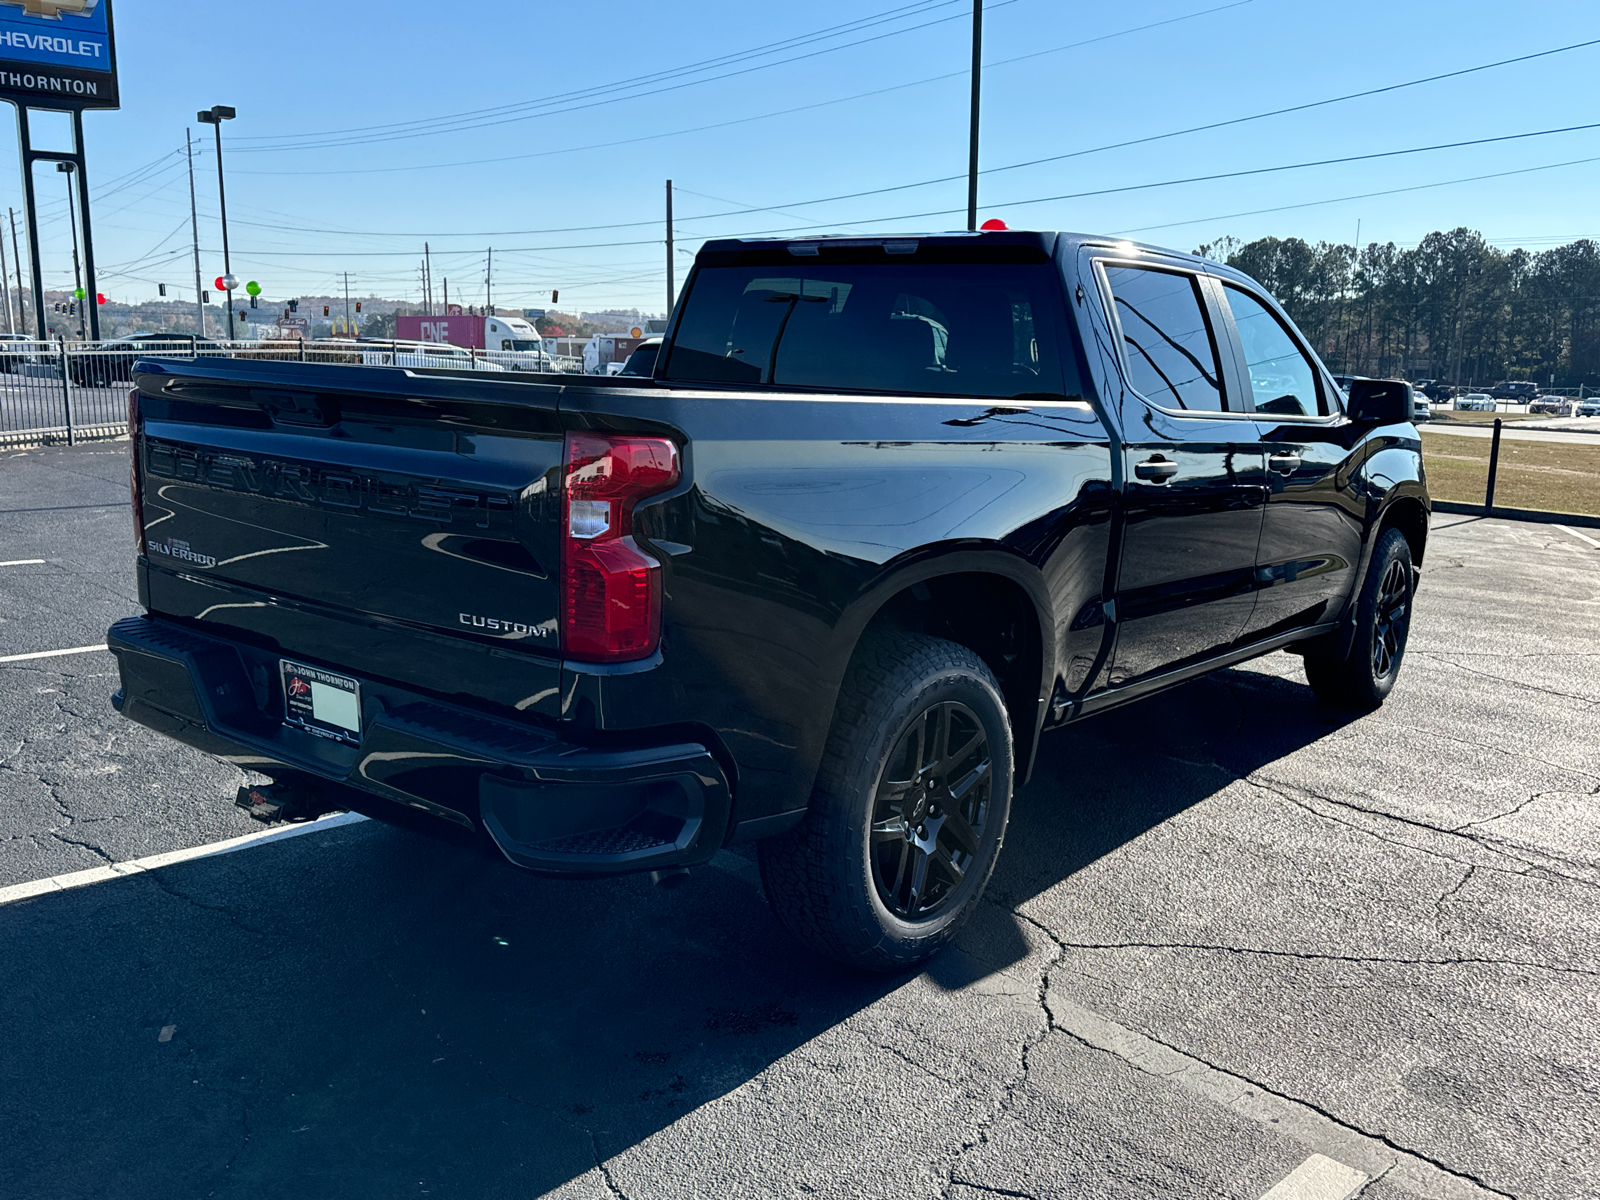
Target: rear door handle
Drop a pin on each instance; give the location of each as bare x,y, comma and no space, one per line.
1156,469
1287,464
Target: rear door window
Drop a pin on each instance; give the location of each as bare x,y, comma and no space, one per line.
924,329
1282,378
1167,339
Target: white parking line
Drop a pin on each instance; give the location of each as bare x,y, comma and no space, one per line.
1318,1178
23,562
51,653
1582,537
77,879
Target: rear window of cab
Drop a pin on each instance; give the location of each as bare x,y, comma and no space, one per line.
970,330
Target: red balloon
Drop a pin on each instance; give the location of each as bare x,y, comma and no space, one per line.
991,223
220,288
100,297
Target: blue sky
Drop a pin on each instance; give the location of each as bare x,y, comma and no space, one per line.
302,212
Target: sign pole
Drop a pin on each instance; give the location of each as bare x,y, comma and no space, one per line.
30,218
92,298
194,234
5,285
16,253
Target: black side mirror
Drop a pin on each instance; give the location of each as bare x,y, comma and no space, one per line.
1380,401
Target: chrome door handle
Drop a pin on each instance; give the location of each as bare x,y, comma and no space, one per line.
1156,469
1286,464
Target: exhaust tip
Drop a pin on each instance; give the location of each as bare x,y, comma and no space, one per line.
667,880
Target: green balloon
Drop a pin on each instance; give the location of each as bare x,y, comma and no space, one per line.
253,288
80,293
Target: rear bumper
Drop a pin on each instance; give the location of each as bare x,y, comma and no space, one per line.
547,804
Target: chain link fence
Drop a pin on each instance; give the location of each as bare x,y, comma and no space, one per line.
68,392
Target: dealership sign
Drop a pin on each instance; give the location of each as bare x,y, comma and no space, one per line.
58,54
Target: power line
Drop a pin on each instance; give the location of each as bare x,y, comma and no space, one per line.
1135,187
783,112
545,111
1256,212
986,171
914,9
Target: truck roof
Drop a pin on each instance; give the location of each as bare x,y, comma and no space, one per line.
1007,245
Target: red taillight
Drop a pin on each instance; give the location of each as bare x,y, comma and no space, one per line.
135,483
611,609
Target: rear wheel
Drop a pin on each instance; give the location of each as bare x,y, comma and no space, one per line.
1365,676
909,809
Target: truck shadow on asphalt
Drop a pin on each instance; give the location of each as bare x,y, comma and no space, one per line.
365,1013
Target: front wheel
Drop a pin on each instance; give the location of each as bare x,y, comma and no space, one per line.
909,810
1365,676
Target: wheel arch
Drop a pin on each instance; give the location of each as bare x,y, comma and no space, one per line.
990,601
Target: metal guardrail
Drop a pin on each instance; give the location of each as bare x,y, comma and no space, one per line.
66,392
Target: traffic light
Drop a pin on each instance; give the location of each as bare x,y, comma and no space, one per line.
358,306
324,310
252,301
163,288
554,296
205,297
294,306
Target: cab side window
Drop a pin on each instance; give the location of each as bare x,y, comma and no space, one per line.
1166,338
1283,381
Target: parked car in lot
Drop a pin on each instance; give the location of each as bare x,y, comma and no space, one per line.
100,364
1475,402
17,350
887,510
1519,393
1588,408
1554,406
424,354
1436,390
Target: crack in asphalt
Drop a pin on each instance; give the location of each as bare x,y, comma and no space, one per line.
1493,845
980,1132
1438,905
1315,956
156,877
1057,1026
1587,701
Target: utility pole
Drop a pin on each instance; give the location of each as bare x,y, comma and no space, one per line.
488,286
671,294
427,276
977,91
447,295
194,235
17,254
5,286
347,301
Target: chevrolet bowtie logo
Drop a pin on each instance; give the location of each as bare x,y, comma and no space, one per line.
53,9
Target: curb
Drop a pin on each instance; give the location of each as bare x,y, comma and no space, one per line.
1517,514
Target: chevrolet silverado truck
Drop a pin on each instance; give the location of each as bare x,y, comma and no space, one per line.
886,512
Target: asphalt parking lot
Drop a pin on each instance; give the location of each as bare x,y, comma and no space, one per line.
1239,945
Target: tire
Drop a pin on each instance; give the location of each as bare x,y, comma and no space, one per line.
1365,676
881,873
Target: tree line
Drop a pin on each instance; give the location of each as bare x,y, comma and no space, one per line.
1453,307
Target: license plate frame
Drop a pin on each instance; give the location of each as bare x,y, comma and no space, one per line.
324,703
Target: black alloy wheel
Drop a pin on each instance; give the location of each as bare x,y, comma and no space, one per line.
1364,676
931,809
1392,619
909,810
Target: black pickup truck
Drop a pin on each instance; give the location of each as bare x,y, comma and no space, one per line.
887,511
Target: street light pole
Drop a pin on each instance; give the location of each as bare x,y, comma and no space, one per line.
215,116
977,92
66,169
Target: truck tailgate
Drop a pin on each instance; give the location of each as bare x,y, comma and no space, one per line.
324,509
